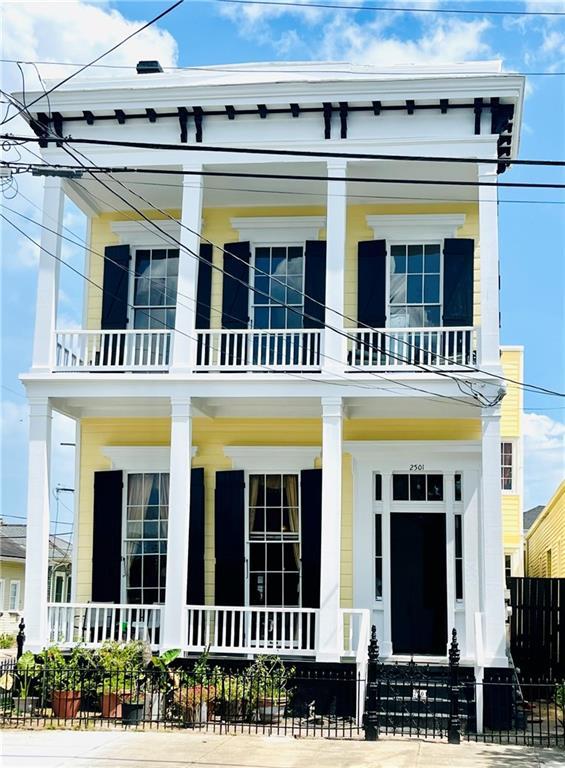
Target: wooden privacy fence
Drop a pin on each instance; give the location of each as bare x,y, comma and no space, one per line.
537,627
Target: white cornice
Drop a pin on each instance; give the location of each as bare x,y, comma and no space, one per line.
276,458
140,458
278,229
416,226
140,233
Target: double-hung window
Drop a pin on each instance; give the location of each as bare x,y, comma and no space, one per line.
14,601
507,467
415,280
278,298
155,288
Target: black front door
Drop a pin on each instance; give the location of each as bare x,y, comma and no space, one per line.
419,589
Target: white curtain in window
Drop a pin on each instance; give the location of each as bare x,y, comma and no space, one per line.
291,490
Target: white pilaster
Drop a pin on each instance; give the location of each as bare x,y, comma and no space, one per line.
329,642
386,643
37,534
48,275
472,578
489,335
492,560
334,347
184,346
449,499
174,620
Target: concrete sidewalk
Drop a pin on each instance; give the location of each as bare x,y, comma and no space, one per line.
113,749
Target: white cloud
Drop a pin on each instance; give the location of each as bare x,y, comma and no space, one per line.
544,457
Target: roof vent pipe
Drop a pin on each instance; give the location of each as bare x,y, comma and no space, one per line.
148,67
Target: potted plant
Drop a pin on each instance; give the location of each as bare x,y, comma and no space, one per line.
232,691
27,671
194,693
64,677
268,683
121,665
158,684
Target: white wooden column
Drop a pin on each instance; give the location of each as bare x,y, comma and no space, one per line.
449,500
48,275
184,345
334,347
493,608
471,548
489,334
329,642
37,533
386,643
174,620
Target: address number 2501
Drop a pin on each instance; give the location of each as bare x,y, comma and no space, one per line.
416,467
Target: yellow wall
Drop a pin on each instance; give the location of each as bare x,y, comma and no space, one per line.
217,229
511,430
547,534
210,436
11,571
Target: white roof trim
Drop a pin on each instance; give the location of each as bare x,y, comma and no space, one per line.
272,458
414,227
140,458
278,229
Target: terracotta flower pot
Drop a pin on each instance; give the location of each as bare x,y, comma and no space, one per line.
111,705
65,704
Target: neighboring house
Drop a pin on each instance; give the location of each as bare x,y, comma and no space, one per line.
530,516
12,573
287,429
511,457
545,539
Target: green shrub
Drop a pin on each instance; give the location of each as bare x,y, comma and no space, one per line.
7,640
560,696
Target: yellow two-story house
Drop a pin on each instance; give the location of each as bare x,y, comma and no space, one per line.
288,381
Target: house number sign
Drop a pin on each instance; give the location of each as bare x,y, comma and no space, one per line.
416,468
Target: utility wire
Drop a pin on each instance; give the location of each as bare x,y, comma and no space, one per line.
94,61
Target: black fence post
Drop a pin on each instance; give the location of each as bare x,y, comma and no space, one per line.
454,724
371,716
20,638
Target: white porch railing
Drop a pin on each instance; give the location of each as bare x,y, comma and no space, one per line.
249,630
386,348
128,350
94,623
257,349
355,628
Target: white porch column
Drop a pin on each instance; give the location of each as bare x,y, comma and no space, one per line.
329,642
334,347
174,620
37,537
386,642
48,275
489,335
492,560
184,345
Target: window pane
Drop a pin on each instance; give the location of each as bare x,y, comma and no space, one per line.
431,288
293,297
273,491
262,259
400,487
398,261
431,317
378,578
294,265
141,262
378,536
278,261
141,319
397,289
273,520
262,289
171,291
291,589
458,488
291,557
278,318
414,289
431,258
257,557
141,290
415,259
257,520
378,488
435,487
398,317
458,537
274,589
157,291
278,288
415,317
257,589
274,557
459,579
173,264
417,487
261,318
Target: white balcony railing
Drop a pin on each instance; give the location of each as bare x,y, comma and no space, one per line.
129,350
94,623
394,348
250,630
258,350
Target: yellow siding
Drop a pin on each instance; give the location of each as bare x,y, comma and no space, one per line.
210,436
547,535
217,229
10,571
511,430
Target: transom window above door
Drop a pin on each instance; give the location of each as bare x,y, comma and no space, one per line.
414,279
417,487
155,287
278,281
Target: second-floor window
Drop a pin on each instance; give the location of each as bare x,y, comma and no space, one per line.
414,279
278,281
155,288
507,468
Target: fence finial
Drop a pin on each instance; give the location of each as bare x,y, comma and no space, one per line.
20,638
454,724
371,716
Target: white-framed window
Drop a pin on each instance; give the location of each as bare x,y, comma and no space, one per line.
414,279
14,600
378,535
507,466
507,568
278,280
2,592
274,539
145,528
417,487
153,287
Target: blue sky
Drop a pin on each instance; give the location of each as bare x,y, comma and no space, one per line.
532,234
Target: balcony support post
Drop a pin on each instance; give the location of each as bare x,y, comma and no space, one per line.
489,331
48,275
184,342
334,347
329,640
174,620
37,531
492,558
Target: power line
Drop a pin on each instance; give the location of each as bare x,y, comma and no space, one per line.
286,70
153,145
391,9
94,61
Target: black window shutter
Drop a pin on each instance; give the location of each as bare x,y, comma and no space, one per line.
229,527
314,284
458,281
107,537
204,286
311,533
235,297
195,585
115,287
371,283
